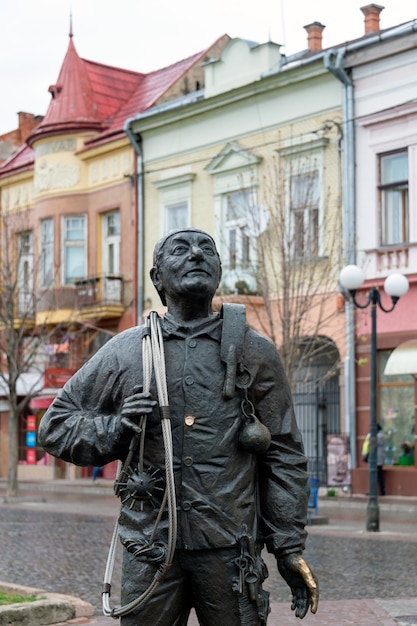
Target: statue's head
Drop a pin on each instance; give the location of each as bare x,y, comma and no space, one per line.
186,263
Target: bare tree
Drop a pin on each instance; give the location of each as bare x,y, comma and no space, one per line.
292,235
23,357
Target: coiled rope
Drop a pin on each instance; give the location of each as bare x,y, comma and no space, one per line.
152,357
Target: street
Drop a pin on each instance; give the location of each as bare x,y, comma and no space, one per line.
59,542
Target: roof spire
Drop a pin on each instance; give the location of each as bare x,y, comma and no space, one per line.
70,32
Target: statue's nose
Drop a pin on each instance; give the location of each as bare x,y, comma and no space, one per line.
196,253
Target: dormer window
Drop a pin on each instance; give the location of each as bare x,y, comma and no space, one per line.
54,90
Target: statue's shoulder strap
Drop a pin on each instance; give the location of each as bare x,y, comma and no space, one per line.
232,343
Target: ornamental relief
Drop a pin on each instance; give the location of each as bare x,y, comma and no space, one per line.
57,176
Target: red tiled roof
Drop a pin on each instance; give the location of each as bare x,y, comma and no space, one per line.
112,86
153,86
20,161
100,98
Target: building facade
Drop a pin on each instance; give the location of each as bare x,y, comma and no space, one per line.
386,239
255,160
69,220
296,165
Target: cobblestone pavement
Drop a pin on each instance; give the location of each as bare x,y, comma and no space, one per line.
60,543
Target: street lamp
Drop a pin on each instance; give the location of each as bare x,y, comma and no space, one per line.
396,285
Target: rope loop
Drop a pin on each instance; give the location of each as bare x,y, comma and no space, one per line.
153,358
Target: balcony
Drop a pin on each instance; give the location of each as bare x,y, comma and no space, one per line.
380,262
99,297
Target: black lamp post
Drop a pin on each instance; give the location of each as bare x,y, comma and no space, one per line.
396,285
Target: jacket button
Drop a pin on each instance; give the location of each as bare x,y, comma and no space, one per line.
186,506
192,343
189,380
188,461
189,420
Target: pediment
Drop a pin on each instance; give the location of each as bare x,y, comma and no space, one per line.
232,157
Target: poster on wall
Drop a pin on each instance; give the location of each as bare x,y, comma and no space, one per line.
338,461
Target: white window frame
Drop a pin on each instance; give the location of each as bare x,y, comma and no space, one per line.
240,248
175,195
304,203
67,244
25,277
235,171
304,155
394,211
111,243
47,252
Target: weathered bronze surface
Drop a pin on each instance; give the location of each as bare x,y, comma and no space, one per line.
239,470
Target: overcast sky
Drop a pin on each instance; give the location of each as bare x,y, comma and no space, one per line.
144,36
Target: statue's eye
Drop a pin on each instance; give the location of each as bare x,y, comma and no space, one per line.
179,249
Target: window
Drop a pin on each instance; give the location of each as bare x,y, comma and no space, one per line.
237,211
175,188
111,242
47,252
239,219
25,273
74,248
176,215
304,204
396,410
393,190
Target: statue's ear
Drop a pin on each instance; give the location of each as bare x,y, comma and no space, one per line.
155,277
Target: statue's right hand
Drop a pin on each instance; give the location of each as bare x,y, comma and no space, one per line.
134,406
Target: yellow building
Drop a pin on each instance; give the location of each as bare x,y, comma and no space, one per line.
255,160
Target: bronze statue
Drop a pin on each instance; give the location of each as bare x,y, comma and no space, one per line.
239,479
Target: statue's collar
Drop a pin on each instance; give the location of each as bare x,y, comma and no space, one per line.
210,326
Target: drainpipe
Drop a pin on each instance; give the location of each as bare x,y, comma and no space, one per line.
333,61
136,141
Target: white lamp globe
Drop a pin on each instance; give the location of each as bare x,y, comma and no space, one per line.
396,285
351,277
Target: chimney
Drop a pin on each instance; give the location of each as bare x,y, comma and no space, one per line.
27,122
314,36
371,13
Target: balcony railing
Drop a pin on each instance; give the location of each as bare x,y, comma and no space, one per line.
25,304
99,290
381,261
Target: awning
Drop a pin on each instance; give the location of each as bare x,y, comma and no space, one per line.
403,360
43,401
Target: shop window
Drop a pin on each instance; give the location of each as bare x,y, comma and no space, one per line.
393,189
396,412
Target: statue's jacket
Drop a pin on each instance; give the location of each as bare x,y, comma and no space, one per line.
221,489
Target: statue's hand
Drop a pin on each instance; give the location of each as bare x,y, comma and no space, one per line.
134,406
302,582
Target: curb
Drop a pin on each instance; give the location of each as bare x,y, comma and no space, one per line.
50,608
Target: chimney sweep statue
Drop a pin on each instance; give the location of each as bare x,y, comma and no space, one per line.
211,470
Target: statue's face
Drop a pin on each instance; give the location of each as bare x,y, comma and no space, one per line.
188,266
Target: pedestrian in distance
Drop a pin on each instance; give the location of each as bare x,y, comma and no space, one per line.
380,458
209,477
